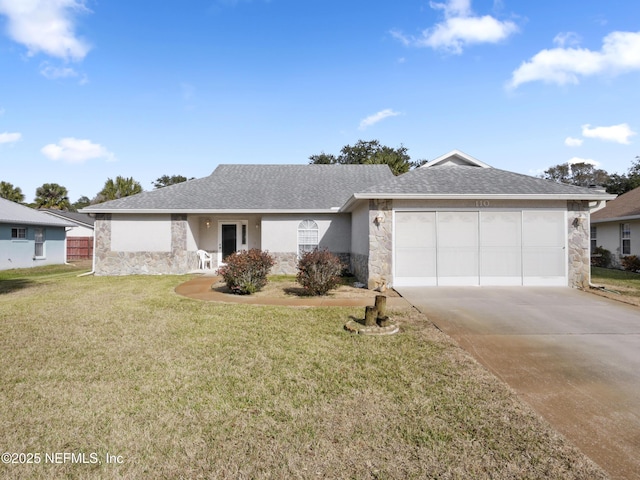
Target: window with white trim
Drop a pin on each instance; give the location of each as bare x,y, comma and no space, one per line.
39,242
18,233
625,238
594,238
307,236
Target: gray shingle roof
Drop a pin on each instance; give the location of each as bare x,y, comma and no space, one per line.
626,205
73,217
257,188
468,180
16,214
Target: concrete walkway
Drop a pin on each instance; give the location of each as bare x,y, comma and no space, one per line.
573,356
200,288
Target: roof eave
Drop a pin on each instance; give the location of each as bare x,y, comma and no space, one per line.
474,196
423,196
210,211
616,219
34,222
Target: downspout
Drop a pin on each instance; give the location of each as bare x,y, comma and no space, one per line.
66,258
591,208
93,261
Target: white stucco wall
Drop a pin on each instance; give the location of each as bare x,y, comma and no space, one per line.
193,233
140,233
608,236
79,231
280,232
360,229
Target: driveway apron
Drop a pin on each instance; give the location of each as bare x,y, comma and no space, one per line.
571,355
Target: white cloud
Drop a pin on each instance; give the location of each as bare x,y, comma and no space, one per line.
7,137
567,38
459,29
615,133
52,73
588,161
573,142
46,26
75,150
620,53
377,117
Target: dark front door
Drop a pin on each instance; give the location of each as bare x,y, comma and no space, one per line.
229,239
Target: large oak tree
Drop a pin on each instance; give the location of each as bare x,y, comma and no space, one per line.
367,153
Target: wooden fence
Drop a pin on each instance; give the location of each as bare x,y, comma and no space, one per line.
79,248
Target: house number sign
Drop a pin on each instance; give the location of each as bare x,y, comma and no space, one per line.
483,203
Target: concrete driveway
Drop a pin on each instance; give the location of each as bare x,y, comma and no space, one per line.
573,356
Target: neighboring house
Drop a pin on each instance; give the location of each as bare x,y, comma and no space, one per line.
29,238
453,221
80,236
616,227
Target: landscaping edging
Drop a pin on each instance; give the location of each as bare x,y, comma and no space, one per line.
200,288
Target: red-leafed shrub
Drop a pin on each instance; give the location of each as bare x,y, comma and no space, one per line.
246,272
630,263
601,257
319,271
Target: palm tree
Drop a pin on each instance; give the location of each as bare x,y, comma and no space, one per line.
9,192
118,188
52,195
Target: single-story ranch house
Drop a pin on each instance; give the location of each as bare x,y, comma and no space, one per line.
616,227
29,238
453,221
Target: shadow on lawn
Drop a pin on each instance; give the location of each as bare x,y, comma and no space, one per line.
13,285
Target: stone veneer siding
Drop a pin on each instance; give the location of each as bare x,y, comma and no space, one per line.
379,274
579,255
359,265
177,261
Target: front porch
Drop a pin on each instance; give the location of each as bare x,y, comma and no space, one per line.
222,235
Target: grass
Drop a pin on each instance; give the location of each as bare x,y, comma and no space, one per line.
186,389
622,285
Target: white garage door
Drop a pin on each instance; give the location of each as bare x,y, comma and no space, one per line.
480,248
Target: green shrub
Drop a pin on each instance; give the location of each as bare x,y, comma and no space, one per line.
601,257
319,271
630,263
246,272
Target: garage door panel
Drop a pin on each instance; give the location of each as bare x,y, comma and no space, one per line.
500,229
500,248
543,228
416,262
501,266
415,248
457,234
543,261
543,248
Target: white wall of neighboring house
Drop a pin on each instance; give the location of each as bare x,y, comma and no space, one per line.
79,231
608,236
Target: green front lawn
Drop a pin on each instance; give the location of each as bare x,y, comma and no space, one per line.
626,285
178,388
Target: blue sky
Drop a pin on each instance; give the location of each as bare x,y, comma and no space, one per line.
94,89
